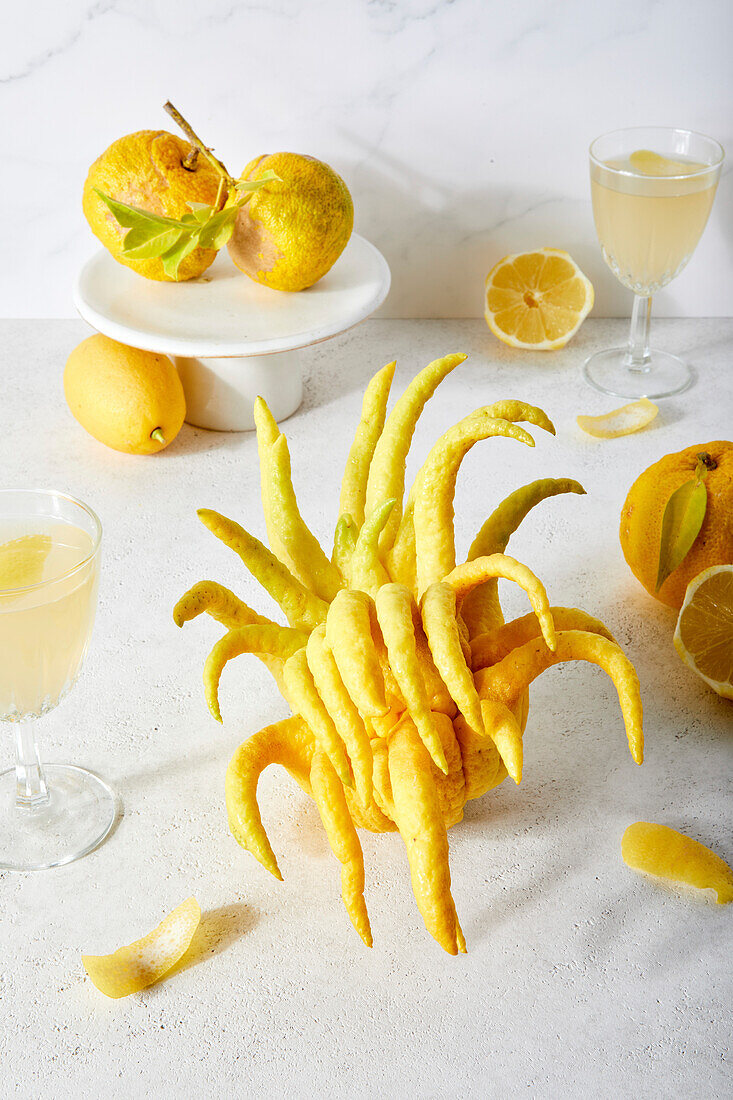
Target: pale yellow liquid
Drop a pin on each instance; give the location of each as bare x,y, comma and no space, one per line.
649,226
46,612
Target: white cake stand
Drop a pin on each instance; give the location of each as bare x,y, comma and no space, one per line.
231,338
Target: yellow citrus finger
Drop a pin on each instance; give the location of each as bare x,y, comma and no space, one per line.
220,603
507,680
659,850
481,609
366,571
396,609
349,637
291,539
332,806
344,541
369,429
340,706
434,489
387,470
304,699
270,640
438,610
468,576
420,822
488,649
301,607
624,421
511,409
288,743
146,961
502,727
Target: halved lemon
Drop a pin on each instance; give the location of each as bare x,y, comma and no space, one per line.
537,300
704,634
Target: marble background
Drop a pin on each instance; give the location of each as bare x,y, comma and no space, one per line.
461,126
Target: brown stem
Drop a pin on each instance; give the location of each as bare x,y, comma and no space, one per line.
193,137
707,461
189,161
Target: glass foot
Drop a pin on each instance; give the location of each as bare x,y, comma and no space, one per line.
78,816
608,371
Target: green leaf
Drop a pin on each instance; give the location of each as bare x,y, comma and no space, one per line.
217,231
201,211
131,217
174,257
681,525
254,185
150,246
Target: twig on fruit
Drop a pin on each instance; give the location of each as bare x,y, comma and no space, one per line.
189,161
195,140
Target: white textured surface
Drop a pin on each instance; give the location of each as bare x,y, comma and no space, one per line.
582,978
461,126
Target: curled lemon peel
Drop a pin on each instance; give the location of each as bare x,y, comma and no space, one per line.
623,421
144,962
661,851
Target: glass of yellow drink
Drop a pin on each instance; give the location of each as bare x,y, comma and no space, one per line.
49,572
652,190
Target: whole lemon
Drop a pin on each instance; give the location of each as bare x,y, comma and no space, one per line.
292,231
146,169
642,513
129,399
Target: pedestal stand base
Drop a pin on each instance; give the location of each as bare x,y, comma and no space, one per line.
220,393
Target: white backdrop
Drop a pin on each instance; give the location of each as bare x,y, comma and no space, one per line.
461,126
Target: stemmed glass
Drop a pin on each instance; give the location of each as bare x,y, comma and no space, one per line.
652,191
49,571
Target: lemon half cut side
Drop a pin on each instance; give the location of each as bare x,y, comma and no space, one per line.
537,300
704,633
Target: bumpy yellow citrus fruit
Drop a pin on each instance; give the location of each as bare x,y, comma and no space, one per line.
704,634
537,300
129,399
146,169
292,231
643,510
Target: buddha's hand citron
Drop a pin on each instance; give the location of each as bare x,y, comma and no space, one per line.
130,400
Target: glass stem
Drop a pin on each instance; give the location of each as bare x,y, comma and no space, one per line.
31,789
637,357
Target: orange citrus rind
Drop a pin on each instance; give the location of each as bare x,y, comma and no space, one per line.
624,421
537,300
661,851
144,962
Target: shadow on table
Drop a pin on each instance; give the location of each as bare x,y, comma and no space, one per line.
218,930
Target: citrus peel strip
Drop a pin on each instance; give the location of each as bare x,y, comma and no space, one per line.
624,421
144,962
659,850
